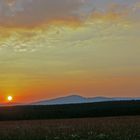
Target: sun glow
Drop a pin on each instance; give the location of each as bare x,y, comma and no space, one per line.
9,98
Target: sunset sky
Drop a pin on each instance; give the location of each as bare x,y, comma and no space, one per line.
53,48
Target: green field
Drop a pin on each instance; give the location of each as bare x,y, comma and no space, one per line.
105,128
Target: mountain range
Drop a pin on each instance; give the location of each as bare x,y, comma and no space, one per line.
76,99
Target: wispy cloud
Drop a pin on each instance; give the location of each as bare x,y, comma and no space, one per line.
25,24
32,13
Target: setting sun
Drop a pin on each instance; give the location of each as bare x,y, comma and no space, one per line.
10,98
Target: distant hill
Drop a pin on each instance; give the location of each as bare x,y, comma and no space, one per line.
75,99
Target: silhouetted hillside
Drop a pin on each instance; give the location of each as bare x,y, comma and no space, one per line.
101,109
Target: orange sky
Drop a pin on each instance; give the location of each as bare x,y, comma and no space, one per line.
89,48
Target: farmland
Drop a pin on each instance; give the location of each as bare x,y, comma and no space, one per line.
86,110
93,121
105,128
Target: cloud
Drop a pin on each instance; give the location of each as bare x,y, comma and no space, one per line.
32,12
28,25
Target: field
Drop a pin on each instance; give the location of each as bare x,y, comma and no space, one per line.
105,128
86,110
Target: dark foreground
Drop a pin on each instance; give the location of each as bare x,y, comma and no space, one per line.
105,128
101,109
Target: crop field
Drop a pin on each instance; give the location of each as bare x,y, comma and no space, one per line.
105,128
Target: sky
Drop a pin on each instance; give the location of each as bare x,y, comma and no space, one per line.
53,48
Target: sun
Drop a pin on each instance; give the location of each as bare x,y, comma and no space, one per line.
9,98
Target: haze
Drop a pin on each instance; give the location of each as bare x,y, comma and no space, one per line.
52,48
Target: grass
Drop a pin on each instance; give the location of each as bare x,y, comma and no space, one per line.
108,128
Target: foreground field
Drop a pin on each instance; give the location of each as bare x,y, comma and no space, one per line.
85,110
109,128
